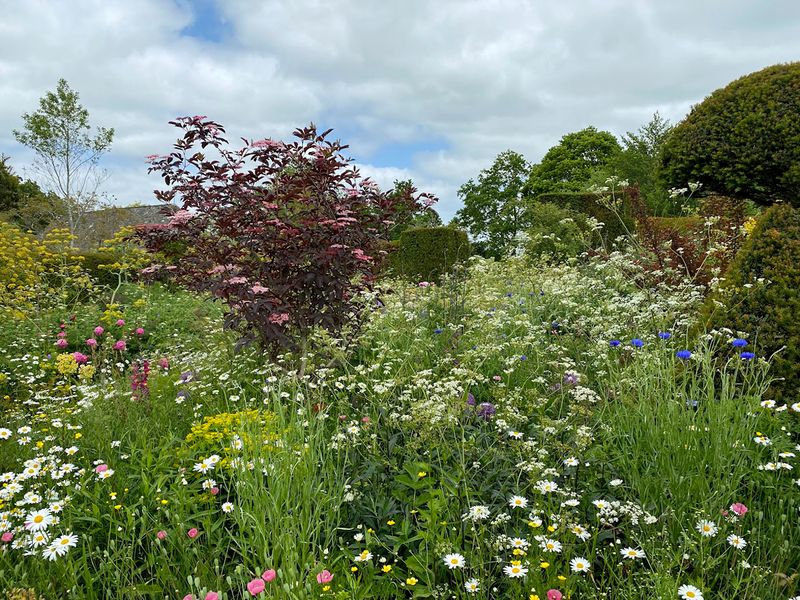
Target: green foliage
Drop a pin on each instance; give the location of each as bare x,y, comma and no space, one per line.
93,263
427,253
570,165
760,296
686,224
411,216
24,204
556,233
494,205
67,155
639,161
743,140
593,205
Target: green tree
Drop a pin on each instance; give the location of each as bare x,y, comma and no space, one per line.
495,205
23,203
569,166
743,140
417,216
67,154
640,159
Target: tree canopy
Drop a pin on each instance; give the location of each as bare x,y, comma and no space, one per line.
494,205
743,140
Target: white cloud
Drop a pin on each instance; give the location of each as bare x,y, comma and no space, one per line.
475,76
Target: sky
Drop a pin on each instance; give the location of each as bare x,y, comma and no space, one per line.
426,90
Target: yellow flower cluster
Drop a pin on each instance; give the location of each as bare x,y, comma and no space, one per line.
32,271
66,364
124,254
229,432
749,225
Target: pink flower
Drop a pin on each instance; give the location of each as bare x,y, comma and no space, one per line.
62,334
269,575
554,595
212,596
325,577
62,343
188,597
192,533
120,345
739,508
161,534
101,468
256,586
139,331
98,331
214,491
81,359
91,342
424,284
278,318
6,537
163,363
120,323
365,419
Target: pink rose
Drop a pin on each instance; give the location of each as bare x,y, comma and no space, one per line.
6,537
192,533
739,508
554,595
324,577
101,468
256,586
269,575
161,534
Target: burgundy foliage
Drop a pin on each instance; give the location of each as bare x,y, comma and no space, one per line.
286,233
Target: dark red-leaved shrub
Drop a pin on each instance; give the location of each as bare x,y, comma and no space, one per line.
286,233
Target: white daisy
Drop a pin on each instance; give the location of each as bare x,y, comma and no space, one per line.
515,571
40,519
471,585
579,565
736,541
707,528
518,502
632,553
227,507
454,561
689,592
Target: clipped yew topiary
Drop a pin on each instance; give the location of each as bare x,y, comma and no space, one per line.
593,205
768,310
743,140
427,253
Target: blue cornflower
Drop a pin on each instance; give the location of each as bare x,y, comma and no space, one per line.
509,294
692,404
683,354
664,335
614,343
555,324
637,343
739,343
523,357
437,331
747,355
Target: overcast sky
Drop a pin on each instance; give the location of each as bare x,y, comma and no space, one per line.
428,90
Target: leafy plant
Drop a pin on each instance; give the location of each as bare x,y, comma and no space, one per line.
285,233
427,253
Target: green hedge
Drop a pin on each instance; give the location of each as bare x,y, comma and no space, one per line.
589,204
426,253
769,311
91,263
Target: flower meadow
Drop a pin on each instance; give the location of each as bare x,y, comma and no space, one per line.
515,431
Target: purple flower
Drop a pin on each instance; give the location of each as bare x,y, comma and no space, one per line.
747,355
664,335
571,379
637,343
683,354
470,399
614,343
739,343
486,410
437,331
523,357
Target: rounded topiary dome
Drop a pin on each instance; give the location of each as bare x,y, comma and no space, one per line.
743,140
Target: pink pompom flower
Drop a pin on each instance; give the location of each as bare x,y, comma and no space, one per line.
256,586
120,345
120,323
212,596
161,534
188,597
80,358
739,509
192,533
139,331
92,343
269,575
62,343
554,595
98,331
6,537
324,577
